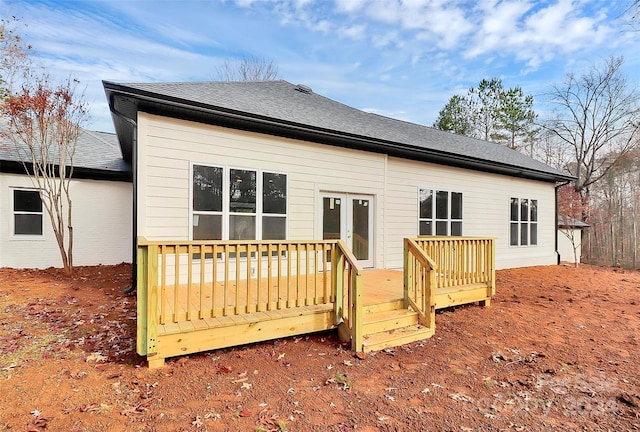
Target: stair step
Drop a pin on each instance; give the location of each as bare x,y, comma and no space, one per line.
384,306
397,337
388,320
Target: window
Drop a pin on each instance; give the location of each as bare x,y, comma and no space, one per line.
207,203
27,213
523,229
274,206
238,204
440,212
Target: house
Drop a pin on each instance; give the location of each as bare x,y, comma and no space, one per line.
101,192
262,171
570,239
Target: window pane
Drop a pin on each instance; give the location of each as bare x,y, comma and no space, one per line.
514,235
534,211
242,191
360,224
27,201
456,228
331,210
534,233
524,210
28,224
207,188
456,205
242,227
441,227
207,227
426,204
426,228
524,234
274,193
442,205
514,209
274,228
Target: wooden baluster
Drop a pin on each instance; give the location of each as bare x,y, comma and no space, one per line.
176,286
259,305
214,282
163,285
227,259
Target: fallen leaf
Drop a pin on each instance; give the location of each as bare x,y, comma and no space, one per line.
96,357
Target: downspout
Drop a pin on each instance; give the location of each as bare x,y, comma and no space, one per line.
556,218
134,168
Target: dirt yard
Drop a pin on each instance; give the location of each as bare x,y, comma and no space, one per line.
559,349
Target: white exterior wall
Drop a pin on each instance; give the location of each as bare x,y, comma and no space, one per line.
101,221
565,248
168,146
486,206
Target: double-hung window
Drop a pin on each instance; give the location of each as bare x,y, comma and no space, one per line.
238,204
27,213
440,212
523,222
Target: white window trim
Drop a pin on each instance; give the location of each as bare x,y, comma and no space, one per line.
434,219
12,227
528,222
225,213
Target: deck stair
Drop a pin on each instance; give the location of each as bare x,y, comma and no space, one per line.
389,325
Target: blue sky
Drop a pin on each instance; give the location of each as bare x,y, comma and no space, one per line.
402,59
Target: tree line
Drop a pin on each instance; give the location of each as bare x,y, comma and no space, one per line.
591,130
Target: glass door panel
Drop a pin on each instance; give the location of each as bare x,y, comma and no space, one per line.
332,224
349,218
360,226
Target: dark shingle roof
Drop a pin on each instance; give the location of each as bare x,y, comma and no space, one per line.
96,152
292,106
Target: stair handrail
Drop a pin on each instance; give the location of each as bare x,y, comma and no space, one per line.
351,316
419,282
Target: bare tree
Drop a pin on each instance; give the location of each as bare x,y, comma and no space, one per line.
250,68
597,115
570,209
43,122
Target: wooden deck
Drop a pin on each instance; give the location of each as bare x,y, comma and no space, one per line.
264,290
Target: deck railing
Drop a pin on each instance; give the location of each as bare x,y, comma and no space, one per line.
347,280
182,284
461,260
419,282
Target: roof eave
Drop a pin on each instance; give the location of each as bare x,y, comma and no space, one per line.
155,103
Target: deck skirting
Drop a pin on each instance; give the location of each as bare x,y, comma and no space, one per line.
205,335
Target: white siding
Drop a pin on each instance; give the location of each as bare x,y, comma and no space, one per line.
101,221
168,146
486,200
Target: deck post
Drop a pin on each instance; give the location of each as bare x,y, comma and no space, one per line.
152,300
356,314
141,289
337,282
408,274
432,299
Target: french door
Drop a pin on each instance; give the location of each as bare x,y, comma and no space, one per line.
350,218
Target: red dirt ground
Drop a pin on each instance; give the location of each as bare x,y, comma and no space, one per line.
557,350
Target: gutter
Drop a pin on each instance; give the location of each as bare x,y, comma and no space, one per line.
556,217
134,173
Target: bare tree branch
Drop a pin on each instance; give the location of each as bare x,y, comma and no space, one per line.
250,68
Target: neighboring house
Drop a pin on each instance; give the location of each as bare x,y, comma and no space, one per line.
570,236
321,169
101,193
